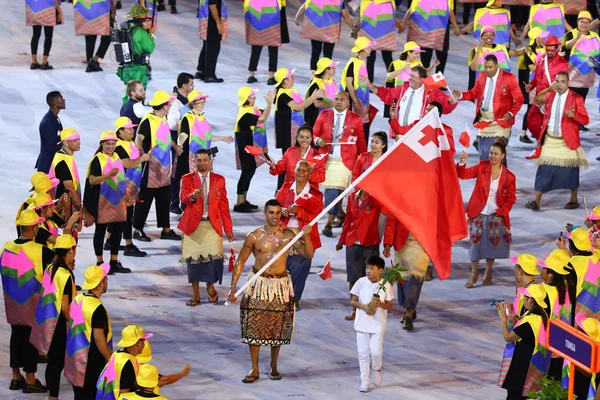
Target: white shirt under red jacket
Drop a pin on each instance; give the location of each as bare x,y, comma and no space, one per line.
309,203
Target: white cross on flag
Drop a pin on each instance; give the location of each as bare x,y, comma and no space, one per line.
435,81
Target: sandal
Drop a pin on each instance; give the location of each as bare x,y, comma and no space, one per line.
532,205
274,375
213,298
351,316
250,378
571,205
192,302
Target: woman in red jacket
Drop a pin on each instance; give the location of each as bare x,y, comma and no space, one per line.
365,160
304,149
488,209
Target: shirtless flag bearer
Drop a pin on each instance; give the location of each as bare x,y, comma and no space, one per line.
267,306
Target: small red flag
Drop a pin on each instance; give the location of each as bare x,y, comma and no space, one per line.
253,150
435,81
483,124
325,272
535,153
465,138
231,260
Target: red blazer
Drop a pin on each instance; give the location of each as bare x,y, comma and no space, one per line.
288,162
569,126
556,64
507,188
507,97
218,205
353,127
395,232
308,209
363,162
361,222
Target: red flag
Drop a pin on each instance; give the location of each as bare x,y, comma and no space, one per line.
465,139
482,124
372,113
319,159
435,81
325,272
254,150
231,260
535,153
427,198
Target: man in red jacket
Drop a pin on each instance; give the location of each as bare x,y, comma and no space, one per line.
300,203
499,99
360,235
546,68
411,100
204,219
339,132
558,165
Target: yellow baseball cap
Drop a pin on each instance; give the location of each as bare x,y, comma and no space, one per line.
65,241
29,217
146,354
556,263
69,134
244,93
283,73
161,97
537,32
536,292
581,239
94,275
595,214
412,46
527,262
43,184
325,63
41,199
362,43
108,135
131,334
584,15
147,376
591,326
196,95
124,122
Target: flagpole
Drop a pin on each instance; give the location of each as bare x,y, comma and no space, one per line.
351,187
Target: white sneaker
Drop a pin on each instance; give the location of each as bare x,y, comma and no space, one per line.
364,387
377,377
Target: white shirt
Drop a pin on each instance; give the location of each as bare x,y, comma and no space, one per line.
337,136
205,214
414,113
488,82
293,222
490,205
554,113
365,289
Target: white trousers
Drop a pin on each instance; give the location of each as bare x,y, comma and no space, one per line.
370,349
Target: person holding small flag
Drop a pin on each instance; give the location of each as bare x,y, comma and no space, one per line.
205,217
499,99
488,209
249,130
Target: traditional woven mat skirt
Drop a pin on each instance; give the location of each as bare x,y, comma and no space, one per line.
489,238
412,257
202,251
267,311
337,175
558,165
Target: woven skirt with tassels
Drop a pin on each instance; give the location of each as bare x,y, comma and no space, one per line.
558,166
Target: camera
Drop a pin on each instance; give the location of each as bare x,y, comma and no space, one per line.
213,151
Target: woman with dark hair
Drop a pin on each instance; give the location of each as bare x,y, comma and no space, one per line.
289,107
324,80
304,149
49,331
105,198
48,230
523,344
488,210
249,131
379,143
46,14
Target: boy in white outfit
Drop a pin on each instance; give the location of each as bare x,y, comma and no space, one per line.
371,319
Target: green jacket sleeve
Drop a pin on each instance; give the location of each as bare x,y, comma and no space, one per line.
142,42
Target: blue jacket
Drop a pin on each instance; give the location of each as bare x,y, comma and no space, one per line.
50,128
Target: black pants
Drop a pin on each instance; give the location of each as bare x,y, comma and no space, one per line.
171,2
255,56
582,91
90,44
207,60
56,364
467,10
84,393
315,55
245,179
37,33
22,353
520,14
161,196
175,187
116,229
128,225
442,57
472,77
367,129
387,60
514,395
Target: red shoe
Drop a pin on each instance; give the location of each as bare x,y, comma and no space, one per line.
535,153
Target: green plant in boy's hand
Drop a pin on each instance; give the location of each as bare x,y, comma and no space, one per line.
550,390
391,275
